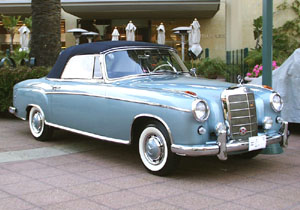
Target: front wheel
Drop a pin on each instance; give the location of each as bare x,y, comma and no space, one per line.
37,126
154,149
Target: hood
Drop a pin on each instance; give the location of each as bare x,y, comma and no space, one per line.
204,88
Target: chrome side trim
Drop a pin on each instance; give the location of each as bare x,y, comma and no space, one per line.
120,99
157,118
24,119
93,80
120,141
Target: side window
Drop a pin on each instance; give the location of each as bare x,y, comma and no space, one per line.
79,67
97,69
122,63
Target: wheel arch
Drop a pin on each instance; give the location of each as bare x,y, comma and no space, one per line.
141,120
30,106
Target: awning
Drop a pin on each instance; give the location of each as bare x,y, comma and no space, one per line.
118,9
15,7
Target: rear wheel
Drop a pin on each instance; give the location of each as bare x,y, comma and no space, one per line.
154,150
37,126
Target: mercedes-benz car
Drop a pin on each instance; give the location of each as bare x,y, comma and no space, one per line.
142,94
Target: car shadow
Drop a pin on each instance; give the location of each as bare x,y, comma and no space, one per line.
127,156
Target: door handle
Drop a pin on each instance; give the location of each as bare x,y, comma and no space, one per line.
55,87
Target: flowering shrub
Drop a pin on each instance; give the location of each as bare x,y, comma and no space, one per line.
257,70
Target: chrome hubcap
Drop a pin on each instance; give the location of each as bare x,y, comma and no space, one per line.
154,149
37,122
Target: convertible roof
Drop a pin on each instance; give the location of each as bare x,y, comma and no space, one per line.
93,48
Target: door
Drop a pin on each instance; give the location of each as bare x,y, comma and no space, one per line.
78,98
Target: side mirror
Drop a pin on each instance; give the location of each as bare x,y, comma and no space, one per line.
193,72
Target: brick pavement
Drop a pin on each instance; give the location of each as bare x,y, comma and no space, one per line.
76,172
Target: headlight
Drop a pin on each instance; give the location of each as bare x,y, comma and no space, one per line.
276,102
200,110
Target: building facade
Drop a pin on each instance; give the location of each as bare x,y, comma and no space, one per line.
225,24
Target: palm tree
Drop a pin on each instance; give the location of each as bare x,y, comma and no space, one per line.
10,23
45,37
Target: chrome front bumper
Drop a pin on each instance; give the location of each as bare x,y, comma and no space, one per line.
223,147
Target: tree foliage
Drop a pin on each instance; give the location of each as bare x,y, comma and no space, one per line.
257,23
28,22
10,23
286,38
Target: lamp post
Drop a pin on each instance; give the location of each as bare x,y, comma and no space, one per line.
77,33
90,35
182,30
267,42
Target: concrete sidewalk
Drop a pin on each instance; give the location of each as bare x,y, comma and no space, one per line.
76,172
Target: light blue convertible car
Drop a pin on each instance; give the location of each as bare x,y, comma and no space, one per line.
141,93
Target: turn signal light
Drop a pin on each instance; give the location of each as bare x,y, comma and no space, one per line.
267,87
190,93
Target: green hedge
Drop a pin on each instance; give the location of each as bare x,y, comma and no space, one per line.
10,76
208,67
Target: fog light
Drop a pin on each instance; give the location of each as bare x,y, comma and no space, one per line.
279,120
201,130
268,123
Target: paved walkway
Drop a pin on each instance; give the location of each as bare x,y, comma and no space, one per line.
75,172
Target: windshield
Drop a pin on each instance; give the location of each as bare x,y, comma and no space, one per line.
143,62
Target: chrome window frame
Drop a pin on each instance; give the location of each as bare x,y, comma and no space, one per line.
93,79
97,59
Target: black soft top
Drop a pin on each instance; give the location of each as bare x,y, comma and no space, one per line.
93,48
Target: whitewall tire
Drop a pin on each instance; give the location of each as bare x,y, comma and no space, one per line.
154,150
37,126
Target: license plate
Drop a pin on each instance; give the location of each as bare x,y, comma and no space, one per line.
257,142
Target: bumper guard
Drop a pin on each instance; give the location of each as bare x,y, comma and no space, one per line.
12,110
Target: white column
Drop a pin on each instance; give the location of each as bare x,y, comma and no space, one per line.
234,27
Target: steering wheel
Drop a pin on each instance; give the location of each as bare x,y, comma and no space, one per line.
161,65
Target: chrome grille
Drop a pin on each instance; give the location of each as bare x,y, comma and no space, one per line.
240,112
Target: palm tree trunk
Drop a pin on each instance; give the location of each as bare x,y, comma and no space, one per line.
45,38
12,35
